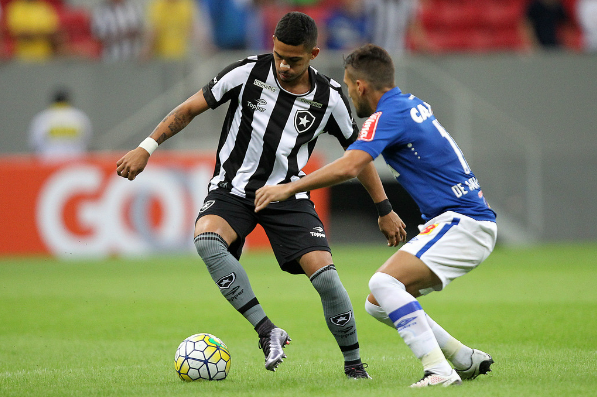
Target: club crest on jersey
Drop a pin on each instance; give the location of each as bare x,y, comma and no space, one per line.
206,205
341,319
226,281
369,126
303,120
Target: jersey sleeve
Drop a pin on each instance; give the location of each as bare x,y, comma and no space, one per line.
227,83
377,133
341,123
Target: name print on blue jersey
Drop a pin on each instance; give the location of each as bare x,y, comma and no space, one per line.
421,113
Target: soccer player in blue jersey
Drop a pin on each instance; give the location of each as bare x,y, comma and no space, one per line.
460,229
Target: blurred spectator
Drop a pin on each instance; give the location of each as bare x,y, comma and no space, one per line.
118,24
587,18
60,131
171,28
347,26
542,21
393,21
229,20
301,3
34,25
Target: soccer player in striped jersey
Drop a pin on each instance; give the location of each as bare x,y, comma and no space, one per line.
460,229
279,106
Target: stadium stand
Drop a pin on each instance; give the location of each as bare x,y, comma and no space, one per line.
451,26
75,27
483,25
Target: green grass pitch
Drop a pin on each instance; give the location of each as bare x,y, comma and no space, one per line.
111,328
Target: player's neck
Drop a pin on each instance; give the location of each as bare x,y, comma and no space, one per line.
299,86
376,97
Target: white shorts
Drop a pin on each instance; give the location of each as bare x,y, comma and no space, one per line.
452,245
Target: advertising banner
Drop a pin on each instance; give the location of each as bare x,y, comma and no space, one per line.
82,208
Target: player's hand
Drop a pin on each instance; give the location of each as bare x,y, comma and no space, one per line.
267,194
393,228
132,163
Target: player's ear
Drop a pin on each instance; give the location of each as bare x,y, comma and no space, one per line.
361,87
314,52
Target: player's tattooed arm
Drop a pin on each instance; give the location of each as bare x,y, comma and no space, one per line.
179,118
172,124
134,162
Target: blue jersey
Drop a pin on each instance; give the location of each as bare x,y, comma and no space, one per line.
423,157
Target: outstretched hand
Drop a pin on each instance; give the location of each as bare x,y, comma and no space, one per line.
393,228
132,164
268,194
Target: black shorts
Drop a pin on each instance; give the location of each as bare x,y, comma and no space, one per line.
292,226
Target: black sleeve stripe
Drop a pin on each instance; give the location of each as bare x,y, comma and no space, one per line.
207,89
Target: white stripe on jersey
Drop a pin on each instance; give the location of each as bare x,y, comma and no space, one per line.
269,132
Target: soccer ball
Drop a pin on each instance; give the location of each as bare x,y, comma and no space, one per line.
202,356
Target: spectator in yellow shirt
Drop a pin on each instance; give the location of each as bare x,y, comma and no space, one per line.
34,25
171,28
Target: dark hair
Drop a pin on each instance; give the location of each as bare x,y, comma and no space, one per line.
61,94
296,28
373,64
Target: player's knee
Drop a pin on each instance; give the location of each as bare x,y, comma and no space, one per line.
374,310
377,313
326,281
382,281
210,245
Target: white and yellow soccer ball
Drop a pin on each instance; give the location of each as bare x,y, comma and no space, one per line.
202,357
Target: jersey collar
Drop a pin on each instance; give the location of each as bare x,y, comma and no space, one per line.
393,92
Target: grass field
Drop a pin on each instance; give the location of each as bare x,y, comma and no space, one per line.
110,328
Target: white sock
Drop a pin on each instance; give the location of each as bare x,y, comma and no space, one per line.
409,319
377,313
457,353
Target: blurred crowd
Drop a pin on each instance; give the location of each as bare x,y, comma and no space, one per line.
115,30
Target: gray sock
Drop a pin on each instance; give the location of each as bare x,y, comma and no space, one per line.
337,310
229,276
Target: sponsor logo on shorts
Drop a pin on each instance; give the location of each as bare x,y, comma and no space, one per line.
206,205
429,229
341,319
405,323
226,281
318,232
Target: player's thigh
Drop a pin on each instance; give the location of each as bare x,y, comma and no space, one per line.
410,271
215,224
452,245
226,215
295,230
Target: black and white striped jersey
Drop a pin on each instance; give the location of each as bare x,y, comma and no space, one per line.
269,134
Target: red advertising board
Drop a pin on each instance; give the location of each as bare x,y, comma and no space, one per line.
81,207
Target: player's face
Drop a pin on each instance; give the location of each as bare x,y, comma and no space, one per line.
361,105
291,61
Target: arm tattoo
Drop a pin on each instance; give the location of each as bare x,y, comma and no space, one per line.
162,138
180,121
